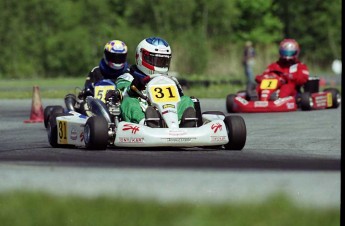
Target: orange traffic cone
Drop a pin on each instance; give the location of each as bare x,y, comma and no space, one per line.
36,107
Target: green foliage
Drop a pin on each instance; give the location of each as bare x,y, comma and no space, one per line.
52,38
316,25
33,208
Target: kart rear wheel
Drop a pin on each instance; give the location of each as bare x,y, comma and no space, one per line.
336,97
237,132
96,133
49,111
52,129
230,103
306,101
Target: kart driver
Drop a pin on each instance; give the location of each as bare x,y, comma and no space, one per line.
152,56
295,74
112,65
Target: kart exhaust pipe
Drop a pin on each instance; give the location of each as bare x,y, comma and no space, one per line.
70,101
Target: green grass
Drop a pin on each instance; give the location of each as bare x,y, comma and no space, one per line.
219,87
33,208
59,87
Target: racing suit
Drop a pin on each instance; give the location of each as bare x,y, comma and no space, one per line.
132,106
294,72
102,71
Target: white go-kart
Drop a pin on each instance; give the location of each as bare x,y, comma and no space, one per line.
105,128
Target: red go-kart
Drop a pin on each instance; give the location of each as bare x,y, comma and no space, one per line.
265,97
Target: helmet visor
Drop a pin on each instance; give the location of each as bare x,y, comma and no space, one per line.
287,53
117,58
157,59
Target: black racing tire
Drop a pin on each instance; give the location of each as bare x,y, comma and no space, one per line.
306,101
96,133
336,97
49,110
230,99
52,129
237,132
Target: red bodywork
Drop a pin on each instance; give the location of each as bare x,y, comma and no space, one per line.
240,104
264,103
310,99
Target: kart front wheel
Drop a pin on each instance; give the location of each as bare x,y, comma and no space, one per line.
49,110
52,129
237,132
230,103
96,133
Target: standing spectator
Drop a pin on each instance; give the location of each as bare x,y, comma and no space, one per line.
248,62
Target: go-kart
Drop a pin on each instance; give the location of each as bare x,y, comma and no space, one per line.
265,97
105,127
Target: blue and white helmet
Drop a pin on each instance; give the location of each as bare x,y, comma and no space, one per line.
153,56
115,54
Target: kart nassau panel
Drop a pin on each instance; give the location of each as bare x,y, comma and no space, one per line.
163,94
280,105
322,100
135,135
70,129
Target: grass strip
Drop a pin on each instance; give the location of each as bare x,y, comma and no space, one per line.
18,208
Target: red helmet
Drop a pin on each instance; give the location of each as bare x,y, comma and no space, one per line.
289,49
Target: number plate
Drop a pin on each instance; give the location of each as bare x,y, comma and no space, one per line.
164,93
62,131
269,83
100,91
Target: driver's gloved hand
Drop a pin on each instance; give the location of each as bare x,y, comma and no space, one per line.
139,83
84,93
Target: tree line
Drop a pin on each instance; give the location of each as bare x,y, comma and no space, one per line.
48,38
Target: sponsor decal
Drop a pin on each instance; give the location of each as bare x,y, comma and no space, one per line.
290,105
217,138
305,72
167,111
241,100
81,136
216,127
281,101
178,140
260,104
293,68
131,127
321,101
168,106
74,134
131,139
177,132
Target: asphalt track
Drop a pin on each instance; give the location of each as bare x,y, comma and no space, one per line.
298,153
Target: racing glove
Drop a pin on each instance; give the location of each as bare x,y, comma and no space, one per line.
84,93
139,84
